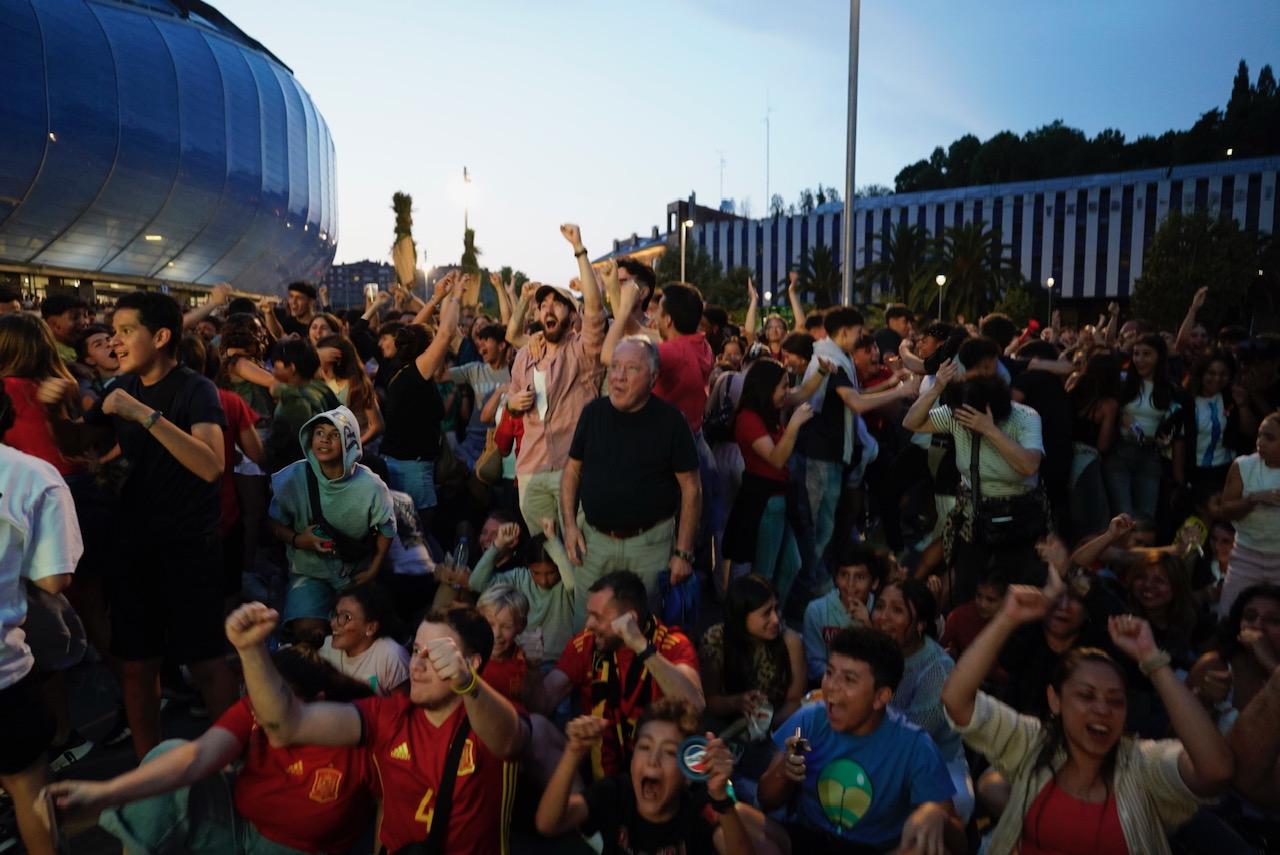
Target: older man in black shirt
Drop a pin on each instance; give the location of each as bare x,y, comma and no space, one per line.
634,465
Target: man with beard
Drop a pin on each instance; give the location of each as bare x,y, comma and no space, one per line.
868,779
552,379
452,733
625,659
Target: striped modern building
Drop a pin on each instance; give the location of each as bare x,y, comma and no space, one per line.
1089,233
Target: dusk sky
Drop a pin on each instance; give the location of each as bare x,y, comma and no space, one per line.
602,112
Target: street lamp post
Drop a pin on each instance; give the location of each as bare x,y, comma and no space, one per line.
940,280
684,225
1048,283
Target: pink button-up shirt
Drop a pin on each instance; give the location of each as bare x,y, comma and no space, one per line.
573,376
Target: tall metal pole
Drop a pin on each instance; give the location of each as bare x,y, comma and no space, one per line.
767,110
682,239
846,253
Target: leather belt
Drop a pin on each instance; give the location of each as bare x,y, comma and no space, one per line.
627,533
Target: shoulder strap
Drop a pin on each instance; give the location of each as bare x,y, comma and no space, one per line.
313,491
444,802
975,447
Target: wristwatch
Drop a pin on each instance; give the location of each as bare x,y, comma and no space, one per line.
683,553
150,421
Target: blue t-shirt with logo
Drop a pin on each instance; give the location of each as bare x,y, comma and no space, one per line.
863,788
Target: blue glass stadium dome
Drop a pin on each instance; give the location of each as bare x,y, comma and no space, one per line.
154,140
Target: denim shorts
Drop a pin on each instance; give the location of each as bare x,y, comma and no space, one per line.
415,477
309,597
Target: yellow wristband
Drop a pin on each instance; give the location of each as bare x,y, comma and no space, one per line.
471,688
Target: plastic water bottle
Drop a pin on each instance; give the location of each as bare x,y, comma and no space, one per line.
461,555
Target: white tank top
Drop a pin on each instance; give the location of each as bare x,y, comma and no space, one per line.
1260,528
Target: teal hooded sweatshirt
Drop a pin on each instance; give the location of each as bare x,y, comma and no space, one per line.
354,504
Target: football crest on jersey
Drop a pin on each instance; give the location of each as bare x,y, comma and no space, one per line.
325,784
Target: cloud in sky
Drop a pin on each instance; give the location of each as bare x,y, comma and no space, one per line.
603,112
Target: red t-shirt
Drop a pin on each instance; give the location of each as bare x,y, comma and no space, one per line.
239,417
308,797
611,688
409,754
507,676
1060,824
684,367
747,428
31,432
963,625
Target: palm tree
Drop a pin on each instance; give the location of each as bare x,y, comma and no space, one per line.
470,268
904,261
820,274
973,259
403,250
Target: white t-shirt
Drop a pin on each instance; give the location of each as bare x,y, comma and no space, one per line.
39,537
1209,449
1141,412
384,666
1260,528
540,392
997,476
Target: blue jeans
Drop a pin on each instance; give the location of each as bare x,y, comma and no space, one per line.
415,477
823,482
1132,474
777,556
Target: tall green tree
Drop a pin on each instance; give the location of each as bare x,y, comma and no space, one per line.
820,273
1190,251
972,257
904,260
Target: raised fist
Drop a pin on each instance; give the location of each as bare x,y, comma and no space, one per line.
250,625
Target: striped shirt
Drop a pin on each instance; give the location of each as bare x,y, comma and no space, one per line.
997,476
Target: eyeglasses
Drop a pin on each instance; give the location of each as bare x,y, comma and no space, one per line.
341,618
629,368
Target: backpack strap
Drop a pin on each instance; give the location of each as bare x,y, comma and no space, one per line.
436,837
313,491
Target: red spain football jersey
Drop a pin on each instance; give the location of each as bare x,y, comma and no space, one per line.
507,677
409,754
616,688
307,797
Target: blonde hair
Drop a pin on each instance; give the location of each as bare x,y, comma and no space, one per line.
501,597
29,350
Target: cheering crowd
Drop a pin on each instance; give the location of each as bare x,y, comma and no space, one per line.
612,572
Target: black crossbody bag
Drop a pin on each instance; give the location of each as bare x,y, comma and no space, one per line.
351,550
1004,520
436,837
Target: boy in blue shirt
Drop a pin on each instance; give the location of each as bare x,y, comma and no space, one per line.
864,778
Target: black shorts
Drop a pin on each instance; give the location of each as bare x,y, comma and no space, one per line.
166,600
27,726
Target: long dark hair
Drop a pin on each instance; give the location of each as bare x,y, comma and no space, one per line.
1161,387
745,595
1100,381
1181,617
758,385
920,602
1055,737
349,367
1201,365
